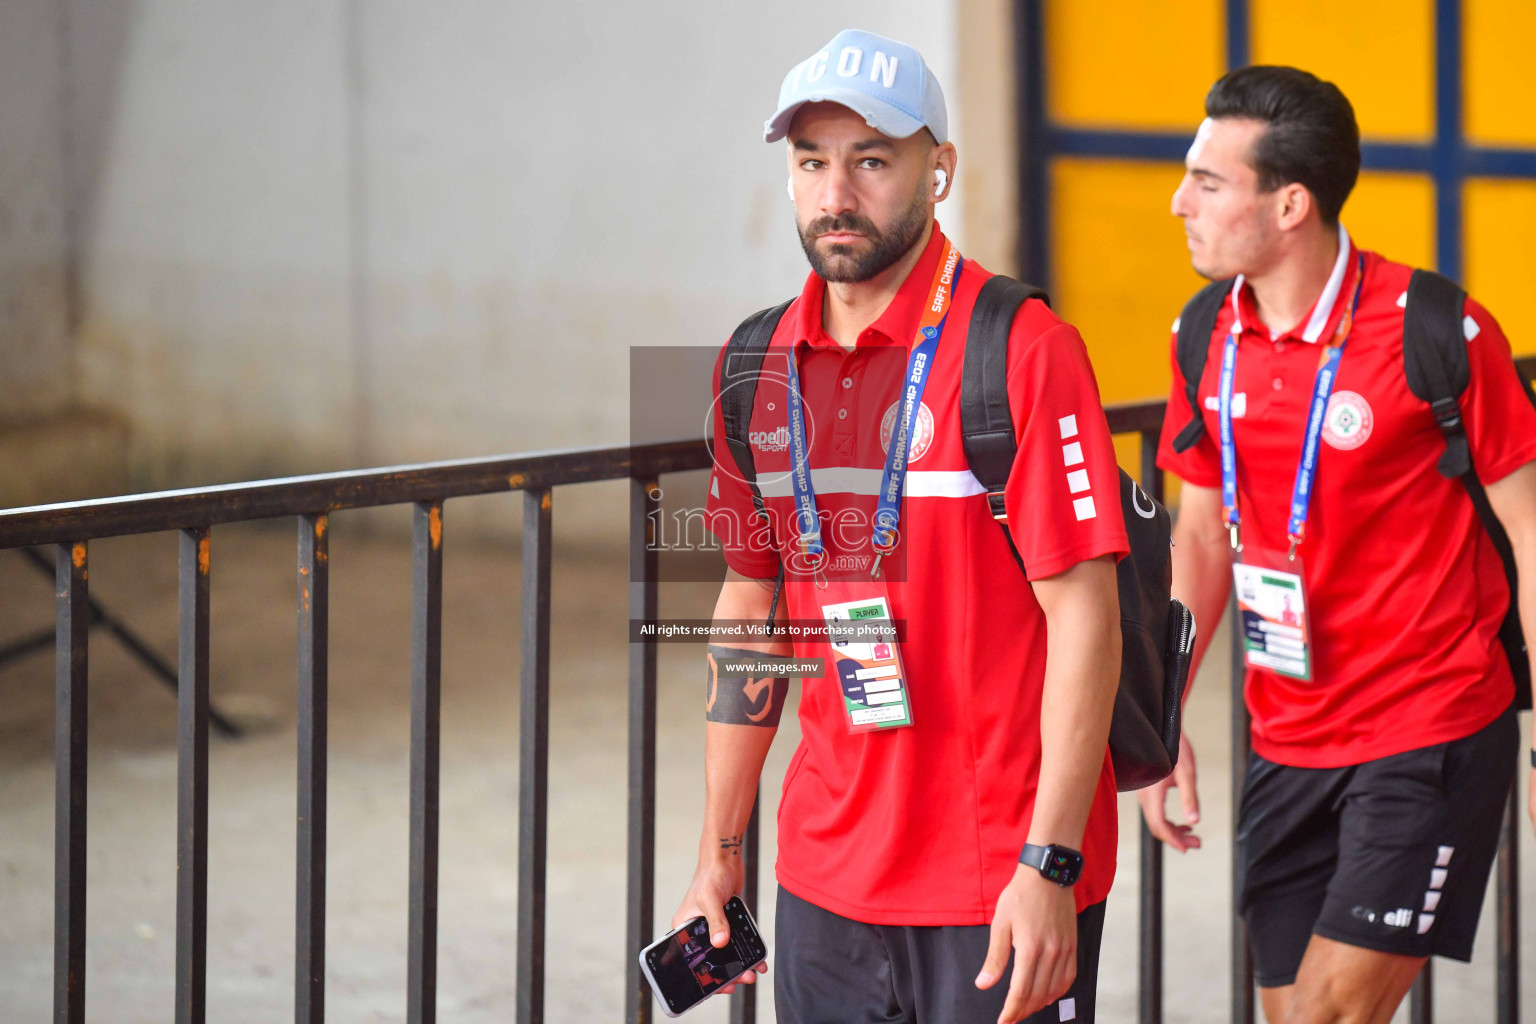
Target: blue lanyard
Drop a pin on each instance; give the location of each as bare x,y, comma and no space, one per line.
888,506
807,523
1306,469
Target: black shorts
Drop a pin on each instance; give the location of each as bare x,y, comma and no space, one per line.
1391,855
828,969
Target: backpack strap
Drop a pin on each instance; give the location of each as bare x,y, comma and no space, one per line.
739,370
986,423
1435,360
1438,371
1196,325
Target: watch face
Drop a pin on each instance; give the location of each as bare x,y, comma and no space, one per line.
1062,866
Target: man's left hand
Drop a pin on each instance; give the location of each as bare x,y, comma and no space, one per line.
1037,919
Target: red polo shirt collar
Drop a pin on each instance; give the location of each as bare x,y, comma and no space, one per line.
897,325
1323,318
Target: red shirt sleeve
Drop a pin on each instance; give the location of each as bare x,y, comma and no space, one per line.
1063,494
729,512
1499,417
1201,464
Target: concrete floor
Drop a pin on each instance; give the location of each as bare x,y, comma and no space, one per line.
132,801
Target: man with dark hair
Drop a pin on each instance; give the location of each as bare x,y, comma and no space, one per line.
1311,137
1370,594
926,765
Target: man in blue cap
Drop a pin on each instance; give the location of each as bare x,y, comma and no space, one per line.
981,731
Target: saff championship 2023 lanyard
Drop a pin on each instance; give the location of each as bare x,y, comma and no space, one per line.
883,537
1306,469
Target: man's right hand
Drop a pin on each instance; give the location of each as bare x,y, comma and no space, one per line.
715,880
1154,801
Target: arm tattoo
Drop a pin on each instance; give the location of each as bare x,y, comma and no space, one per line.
732,844
741,698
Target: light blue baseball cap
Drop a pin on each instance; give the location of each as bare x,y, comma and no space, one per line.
885,82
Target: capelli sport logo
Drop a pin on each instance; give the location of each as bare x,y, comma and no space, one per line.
769,440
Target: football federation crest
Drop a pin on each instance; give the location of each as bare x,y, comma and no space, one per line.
1348,422
922,431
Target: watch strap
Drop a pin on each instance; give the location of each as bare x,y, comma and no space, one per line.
1034,855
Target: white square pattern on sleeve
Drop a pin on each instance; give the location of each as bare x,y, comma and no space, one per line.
1077,479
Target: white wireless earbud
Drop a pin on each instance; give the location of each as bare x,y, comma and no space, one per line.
940,180
789,188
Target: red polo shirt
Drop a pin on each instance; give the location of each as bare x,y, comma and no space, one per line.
923,825
1405,589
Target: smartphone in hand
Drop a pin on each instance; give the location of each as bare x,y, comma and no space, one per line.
684,969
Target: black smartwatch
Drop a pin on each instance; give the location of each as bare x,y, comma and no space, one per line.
1059,864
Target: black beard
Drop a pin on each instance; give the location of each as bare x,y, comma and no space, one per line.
840,264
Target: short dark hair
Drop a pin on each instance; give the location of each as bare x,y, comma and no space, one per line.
1311,139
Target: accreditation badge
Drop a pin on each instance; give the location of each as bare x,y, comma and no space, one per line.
1272,607
866,656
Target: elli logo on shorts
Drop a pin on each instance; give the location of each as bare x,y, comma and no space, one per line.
922,433
1348,422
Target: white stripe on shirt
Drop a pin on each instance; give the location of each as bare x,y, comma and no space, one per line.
930,483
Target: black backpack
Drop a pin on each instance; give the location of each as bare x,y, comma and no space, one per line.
1157,632
1435,363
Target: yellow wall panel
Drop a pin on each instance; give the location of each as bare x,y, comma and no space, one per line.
1498,37
1121,270
1500,252
1132,63
1380,52
1120,273
1394,214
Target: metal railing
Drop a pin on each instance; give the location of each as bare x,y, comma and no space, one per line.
311,500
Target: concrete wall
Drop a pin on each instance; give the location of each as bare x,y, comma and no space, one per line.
51,448
315,234
36,361
987,93
216,253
